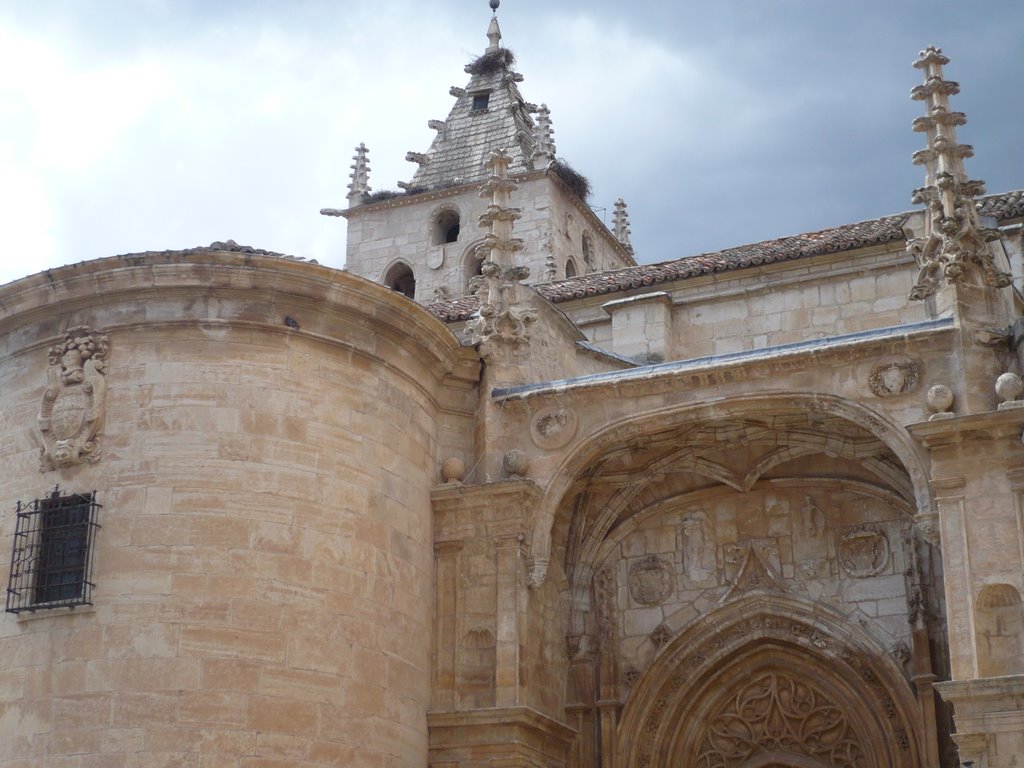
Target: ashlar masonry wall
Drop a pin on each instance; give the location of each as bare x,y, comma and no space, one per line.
263,570
405,230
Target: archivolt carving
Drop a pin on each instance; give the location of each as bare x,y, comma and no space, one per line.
71,414
777,713
748,641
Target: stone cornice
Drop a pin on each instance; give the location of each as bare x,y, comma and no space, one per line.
485,721
990,425
459,508
437,194
753,364
269,286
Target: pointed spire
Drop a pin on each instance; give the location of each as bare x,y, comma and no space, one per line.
359,187
954,246
620,225
543,139
493,30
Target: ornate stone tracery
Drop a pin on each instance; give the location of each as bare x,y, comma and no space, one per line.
779,713
770,677
71,414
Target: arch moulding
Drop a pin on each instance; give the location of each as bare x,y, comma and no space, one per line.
770,680
590,448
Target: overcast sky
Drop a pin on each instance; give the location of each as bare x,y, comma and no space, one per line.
136,125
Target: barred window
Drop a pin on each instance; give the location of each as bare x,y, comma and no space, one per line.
51,564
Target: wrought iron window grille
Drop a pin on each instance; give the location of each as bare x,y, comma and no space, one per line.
51,562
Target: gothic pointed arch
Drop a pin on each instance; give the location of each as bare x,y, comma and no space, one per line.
399,277
767,680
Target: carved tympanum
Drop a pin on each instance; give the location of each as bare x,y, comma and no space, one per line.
71,414
651,580
863,551
777,713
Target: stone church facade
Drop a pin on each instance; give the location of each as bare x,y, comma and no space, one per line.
497,495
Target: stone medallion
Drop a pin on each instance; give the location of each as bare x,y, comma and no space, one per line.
552,428
863,551
894,376
650,581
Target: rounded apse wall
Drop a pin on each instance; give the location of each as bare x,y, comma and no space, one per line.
260,436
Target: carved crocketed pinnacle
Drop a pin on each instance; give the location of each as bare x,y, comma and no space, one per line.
544,138
359,187
620,224
500,318
954,247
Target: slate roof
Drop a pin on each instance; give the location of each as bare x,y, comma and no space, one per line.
835,240
466,138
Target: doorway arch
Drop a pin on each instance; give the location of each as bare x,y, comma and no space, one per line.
770,680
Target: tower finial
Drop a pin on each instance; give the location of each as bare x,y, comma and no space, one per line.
955,246
359,187
493,30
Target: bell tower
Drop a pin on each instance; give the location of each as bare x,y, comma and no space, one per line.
426,239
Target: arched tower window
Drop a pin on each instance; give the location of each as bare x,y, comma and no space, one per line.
570,268
446,227
999,622
400,278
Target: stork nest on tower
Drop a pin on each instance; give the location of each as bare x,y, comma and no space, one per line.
577,183
491,62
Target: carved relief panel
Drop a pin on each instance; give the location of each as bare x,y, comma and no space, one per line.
820,544
71,414
651,581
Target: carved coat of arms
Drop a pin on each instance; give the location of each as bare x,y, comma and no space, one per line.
71,414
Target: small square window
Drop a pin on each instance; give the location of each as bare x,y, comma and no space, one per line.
51,563
480,101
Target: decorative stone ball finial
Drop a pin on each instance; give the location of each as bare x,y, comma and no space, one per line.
515,463
494,5
1009,387
940,400
453,470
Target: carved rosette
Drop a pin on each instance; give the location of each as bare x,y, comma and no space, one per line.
551,428
863,551
651,581
71,414
894,377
